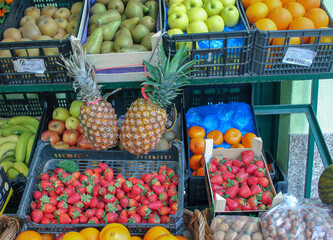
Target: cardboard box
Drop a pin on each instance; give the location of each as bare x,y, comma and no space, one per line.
6,190
218,205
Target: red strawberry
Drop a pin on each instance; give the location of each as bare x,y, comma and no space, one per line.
83,178
251,168
93,202
260,173
37,195
64,219
122,219
75,197
153,218
110,217
83,218
255,189
228,175
248,152
76,175
234,169
81,190
244,191
246,207
175,179
260,164
170,173
216,187
74,212
135,218
76,183
60,236
45,177
217,179
124,202
164,210
33,205
100,205
242,177
127,186
90,213
147,177
36,216
105,183
165,219
75,220
232,204
136,190
252,181
69,191
242,170
227,162
45,185
241,201
103,166
45,220
158,189
223,168
120,193
60,211
263,182
99,213
59,190
161,178
98,170
58,170
62,204
48,208
93,220
171,192
237,163
247,159
143,211
262,207
96,189
174,207
163,196
155,205
211,167
216,161
266,198
85,198
252,201
53,200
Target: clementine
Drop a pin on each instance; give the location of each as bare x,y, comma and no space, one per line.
301,23
247,3
197,145
281,17
166,237
181,238
196,131
237,145
296,9
232,136
281,41
284,2
90,233
323,39
47,236
318,16
216,135
265,24
309,4
272,4
154,232
29,235
247,139
110,226
256,11
136,238
200,172
73,236
116,233
195,162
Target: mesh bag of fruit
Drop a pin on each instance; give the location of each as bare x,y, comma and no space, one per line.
294,219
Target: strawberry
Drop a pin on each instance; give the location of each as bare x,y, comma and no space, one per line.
124,202
75,220
131,211
45,185
165,219
252,201
136,190
103,166
161,178
62,204
69,191
228,175
227,209
227,162
170,173
255,208
251,168
90,213
102,191
96,189
53,200
241,201
242,170
127,186
143,211
259,173
152,197
246,207
164,210
237,163
255,189
85,198
263,182
100,205
247,159
174,206
37,195
110,217
99,213
83,218
93,220
60,211
98,170
223,168
33,205
158,189
45,177
234,169
217,179
211,167
58,170
59,190
64,219
105,183
45,220
266,198
244,191
252,181
120,193
48,208
163,196
262,207
89,188
232,204
171,192
76,175
109,198
60,236
81,190
147,177
83,178
154,218
175,179
135,218
242,177
248,152
260,164
122,219
37,216
219,192
155,205
74,212
75,197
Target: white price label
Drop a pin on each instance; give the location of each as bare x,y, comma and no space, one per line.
299,56
29,65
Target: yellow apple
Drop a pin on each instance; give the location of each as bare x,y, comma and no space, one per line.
32,11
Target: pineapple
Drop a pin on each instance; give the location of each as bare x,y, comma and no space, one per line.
98,120
145,120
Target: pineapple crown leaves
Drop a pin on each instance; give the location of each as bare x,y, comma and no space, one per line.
83,72
168,77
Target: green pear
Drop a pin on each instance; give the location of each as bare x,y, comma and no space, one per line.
98,8
107,47
116,5
105,2
146,41
117,34
104,18
123,16
124,40
139,32
94,42
135,8
149,22
134,48
109,30
129,23
91,29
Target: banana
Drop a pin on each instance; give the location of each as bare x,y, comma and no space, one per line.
21,147
10,138
22,168
6,165
15,129
30,127
29,149
8,154
10,159
9,146
24,120
12,173
3,121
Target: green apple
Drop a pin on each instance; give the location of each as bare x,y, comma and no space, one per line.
60,113
176,31
72,123
213,7
75,107
175,8
189,45
178,20
192,3
215,24
197,13
228,3
197,27
171,2
230,16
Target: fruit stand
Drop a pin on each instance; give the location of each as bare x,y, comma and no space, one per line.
149,119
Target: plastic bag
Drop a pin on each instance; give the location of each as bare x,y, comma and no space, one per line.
236,228
295,220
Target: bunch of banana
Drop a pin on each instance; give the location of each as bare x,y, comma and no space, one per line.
17,135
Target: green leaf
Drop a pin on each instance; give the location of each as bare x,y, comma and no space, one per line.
69,166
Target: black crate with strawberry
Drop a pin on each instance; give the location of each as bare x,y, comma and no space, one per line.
70,191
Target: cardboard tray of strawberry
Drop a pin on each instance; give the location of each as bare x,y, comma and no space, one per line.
45,172
238,181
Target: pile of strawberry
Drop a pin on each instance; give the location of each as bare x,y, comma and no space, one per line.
95,196
241,182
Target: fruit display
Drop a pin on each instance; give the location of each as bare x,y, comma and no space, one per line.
241,181
121,26
325,186
4,9
48,23
16,143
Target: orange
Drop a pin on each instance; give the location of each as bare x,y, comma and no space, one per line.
195,162
284,2
256,11
272,4
73,236
197,145
302,23
90,233
47,236
116,233
136,238
216,135
237,145
281,17
232,136
309,4
166,237
200,172
247,139
154,232
281,41
318,16
110,226
296,9
196,131
323,39
194,173
247,3
29,235
265,24
181,238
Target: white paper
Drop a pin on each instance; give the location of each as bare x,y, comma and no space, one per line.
29,65
299,56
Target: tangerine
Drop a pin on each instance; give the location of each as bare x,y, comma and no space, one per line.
256,11
166,237
195,162
309,4
200,172
197,145
216,135
281,17
265,24
237,145
247,3
296,9
323,39
90,233
196,131
181,238
318,16
136,238
284,2
301,23
154,232
73,236
232,136
29,235
247,139
272,4
47,236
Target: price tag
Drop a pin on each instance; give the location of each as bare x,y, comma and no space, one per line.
299,56
29,65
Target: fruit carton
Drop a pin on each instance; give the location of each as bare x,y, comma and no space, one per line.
218,203
115,67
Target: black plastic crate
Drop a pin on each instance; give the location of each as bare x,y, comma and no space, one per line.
267,58
270,163
280,181
53,72
227,60
46,158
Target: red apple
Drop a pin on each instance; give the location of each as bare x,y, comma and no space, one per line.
83,143
61,145
79,129
74,147
50,135
71,137
58,126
